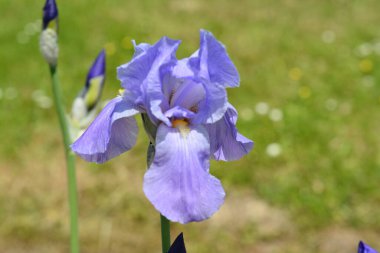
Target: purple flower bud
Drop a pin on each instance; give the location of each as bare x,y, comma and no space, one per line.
178,245
364,248
84,106
95,81
49,35
50,16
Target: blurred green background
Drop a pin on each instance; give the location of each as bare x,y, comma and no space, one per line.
309,98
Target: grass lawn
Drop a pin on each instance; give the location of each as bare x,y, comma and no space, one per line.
309,98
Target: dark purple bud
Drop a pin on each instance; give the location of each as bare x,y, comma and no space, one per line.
98,68
50,16
178,245
95,81
364,248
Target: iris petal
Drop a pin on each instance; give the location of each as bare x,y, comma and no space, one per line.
208,100
183,67
141,75
188,94
225,141
213,106
178,182
113,132
140,48
214,62
178,112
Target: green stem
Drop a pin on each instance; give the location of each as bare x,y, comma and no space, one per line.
165,234
70,162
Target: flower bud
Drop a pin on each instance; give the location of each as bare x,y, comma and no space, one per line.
49,46
50,16
94,83
84,108
49,35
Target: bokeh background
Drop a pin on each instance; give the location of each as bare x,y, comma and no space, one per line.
309,98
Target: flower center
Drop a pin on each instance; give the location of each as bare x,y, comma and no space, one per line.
182,125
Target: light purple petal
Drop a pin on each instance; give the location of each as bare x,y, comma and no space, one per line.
178,182
140,48
213,107
214,62
208,100
178,112
188,93
113,132
225,141
141,75
364,248
183,68
173,76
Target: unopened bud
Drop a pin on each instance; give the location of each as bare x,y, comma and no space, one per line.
94,82
85,105
49,46
50,16
49,35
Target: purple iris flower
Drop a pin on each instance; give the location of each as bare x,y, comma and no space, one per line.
50,15
364,248
188,118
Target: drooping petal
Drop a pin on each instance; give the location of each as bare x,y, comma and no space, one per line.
178,182
113,132
364,248
141,75
225,141
214,63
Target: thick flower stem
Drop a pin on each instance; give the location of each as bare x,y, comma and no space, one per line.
165,234
70,162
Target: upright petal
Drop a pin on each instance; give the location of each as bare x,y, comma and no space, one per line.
225,141
174,75
178,182
140,48
182,88
188,94
214,62
113,132
213,106
142,78
183,67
